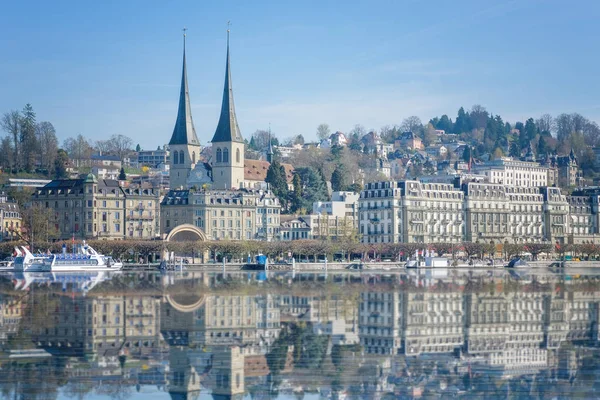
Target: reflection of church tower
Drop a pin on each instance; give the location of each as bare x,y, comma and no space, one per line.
184,145
228,372
184,380
227,143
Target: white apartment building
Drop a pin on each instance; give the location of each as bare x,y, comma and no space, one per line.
410,212
507,171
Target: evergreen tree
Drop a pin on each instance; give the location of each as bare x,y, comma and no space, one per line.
138,148
530,129
122,175
27,138
467,154
515,149
60,164
313,186
296,194
338,179
542,147
277,181
463,122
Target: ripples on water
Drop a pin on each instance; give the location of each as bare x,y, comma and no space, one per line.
201,335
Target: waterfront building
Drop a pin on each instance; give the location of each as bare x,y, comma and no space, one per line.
87,208
410,212
417,212
223,214
294,229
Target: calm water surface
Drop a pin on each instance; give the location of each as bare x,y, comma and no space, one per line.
185,335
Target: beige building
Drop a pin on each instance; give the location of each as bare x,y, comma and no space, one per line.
10,219
231,215
88,208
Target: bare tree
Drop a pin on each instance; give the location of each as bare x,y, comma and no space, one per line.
358,131
78,149
6,153
120,145
546,123
102,146
323,131
11,125
389,133
48,143
412,124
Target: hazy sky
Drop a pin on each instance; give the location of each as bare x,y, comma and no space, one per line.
106,67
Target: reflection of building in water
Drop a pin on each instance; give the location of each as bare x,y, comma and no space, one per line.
380,322
583,315
183,378
556,324
487,326
432,323
11,312
98,324
223,320
331,315
227,374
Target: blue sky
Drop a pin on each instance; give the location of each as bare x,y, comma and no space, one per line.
113,67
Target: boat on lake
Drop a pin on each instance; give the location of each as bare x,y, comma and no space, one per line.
83,258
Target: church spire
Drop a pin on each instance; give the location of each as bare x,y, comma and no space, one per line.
270,148
227,129
184,131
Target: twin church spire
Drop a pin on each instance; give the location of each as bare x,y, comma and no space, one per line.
227,128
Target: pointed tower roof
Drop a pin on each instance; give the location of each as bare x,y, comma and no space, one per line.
184,131
227,129
270,148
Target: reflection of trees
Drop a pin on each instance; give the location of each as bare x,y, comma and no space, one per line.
78,389
39,380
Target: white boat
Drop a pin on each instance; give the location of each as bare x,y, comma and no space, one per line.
84,259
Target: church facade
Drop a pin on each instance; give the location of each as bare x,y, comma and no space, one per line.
215,195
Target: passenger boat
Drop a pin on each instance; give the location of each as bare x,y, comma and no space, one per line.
84,259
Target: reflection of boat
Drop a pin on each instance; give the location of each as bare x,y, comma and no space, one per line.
85,258
82,281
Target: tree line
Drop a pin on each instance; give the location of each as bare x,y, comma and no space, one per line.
32,147
347,249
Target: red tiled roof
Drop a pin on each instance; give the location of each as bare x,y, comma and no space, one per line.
256,170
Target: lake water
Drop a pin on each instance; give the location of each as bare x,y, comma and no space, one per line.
186,335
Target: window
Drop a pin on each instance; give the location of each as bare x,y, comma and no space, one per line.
225,155
219,155
237,155
175,157
181,157
193,157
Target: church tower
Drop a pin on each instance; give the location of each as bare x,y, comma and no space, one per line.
184,145
227,143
